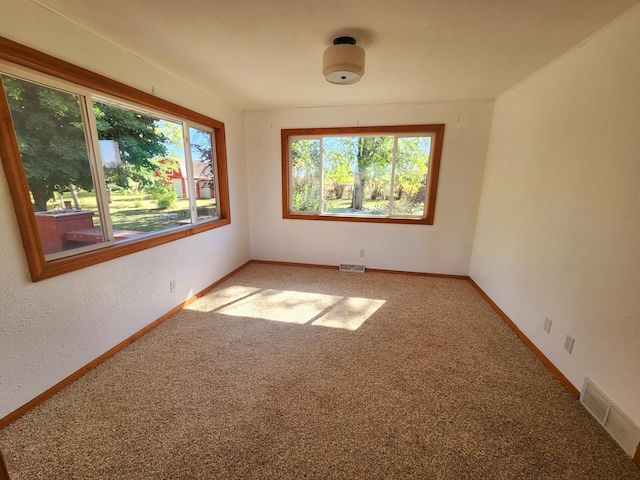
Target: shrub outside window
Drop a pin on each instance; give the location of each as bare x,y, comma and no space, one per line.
94,175
370,174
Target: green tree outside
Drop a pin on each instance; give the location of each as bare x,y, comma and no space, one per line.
139,141
305,175
50,130
50,133
412,160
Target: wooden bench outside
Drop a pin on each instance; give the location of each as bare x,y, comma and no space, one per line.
94,235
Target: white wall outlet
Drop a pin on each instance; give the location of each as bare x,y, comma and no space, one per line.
362,253
172,285
547,325
568,343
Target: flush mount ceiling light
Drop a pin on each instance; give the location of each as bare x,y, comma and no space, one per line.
343,63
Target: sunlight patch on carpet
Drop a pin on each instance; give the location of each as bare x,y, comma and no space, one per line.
215,300
350,313
282,306
303,307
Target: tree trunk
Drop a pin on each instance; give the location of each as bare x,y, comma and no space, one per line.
40,199
74,196
358,190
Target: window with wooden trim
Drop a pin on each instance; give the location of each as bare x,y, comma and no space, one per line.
362,174
98,170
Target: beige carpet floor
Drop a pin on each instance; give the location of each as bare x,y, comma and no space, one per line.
290,373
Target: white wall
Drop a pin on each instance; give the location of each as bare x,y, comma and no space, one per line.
444,247
558,230
50,329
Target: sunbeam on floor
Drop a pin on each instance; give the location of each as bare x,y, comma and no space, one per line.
289,306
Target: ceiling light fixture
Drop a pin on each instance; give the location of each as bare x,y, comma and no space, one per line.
343,63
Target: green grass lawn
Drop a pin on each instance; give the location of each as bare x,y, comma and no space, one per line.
131,211
373,207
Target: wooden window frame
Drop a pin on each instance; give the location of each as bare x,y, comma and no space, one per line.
39,267
434,171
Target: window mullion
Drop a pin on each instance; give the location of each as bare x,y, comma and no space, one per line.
290,174
392,186
188,164
214,169
95,163
427,177
321,206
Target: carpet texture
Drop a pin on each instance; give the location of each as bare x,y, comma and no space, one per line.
291,372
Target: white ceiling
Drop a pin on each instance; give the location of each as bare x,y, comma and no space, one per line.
261,54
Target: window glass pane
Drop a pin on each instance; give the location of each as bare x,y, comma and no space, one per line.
357,175
410,186
51,136
143,162
339,175
305,175
370,174
204,175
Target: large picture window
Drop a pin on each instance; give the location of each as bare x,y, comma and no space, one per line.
370,174
98,170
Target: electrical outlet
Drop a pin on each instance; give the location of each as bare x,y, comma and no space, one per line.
547,325
362,253
172,285
568,343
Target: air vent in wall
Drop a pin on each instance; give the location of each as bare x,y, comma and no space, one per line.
613,419
346,267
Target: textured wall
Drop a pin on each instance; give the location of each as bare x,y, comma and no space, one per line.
558,231
52,328
444,247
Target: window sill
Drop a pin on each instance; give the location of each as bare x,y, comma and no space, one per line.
358,219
